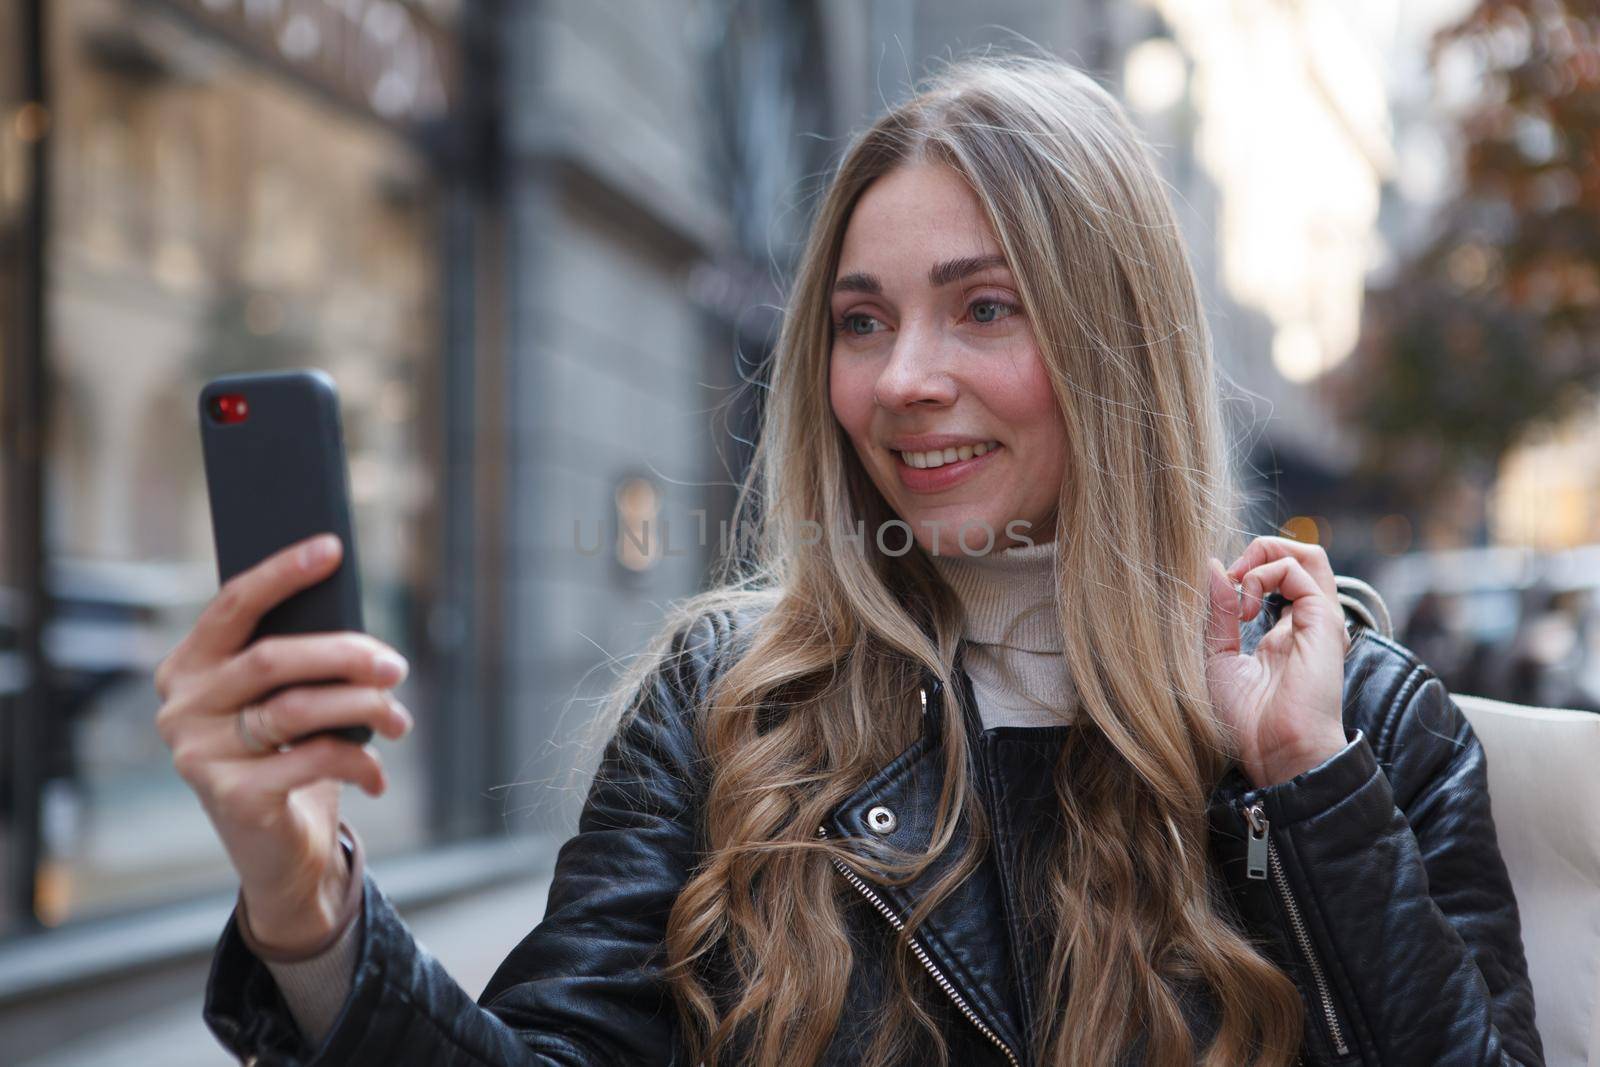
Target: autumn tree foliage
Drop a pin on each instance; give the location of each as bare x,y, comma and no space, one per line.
1494,324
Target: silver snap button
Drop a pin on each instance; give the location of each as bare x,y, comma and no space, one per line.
881,820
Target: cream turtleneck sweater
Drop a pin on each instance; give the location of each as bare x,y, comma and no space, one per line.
1013,656
1014,640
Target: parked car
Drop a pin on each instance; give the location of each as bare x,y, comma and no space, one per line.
1508,623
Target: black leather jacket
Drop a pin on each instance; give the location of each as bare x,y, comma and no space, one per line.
1379,888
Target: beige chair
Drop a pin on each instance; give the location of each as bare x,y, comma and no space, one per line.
1544,790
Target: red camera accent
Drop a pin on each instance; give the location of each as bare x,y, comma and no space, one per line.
230,407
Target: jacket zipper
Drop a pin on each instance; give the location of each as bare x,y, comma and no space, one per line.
922,956
1262,856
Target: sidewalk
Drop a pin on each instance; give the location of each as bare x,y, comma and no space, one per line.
469,934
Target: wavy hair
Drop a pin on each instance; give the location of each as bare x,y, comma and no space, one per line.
823,691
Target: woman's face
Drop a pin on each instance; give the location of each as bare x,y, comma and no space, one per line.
933,361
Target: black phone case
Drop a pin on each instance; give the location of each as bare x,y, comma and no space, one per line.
277,477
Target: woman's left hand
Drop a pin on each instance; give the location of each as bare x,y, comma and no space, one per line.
1284,701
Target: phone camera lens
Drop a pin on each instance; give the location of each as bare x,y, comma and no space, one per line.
228,408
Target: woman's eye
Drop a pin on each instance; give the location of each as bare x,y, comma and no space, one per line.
991,310
858,325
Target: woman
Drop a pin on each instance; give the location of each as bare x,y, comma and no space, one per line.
985,759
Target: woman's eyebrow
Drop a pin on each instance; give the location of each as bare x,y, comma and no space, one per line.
942,274
956,269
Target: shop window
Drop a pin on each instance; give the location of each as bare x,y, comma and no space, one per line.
209,214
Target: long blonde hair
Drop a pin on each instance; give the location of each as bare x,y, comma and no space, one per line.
823,691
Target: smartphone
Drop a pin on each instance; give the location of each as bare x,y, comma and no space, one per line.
276,474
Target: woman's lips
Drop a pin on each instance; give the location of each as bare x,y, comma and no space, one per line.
938,479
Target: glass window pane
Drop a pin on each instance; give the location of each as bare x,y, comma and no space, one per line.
208,216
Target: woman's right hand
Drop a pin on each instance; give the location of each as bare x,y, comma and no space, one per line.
277,812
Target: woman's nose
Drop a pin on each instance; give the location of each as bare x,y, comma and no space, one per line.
916,372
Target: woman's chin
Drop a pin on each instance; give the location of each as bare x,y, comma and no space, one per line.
943,534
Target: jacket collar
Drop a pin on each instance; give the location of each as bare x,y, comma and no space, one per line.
959,935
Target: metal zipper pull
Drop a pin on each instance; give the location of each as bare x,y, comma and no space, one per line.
1256,853
1261,856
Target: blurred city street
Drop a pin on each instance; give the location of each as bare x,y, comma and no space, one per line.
543,250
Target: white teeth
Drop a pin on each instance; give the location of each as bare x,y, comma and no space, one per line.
925,460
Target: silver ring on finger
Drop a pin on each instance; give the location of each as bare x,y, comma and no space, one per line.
277,743
253,741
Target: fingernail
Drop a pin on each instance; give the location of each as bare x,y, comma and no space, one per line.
390,667
319,550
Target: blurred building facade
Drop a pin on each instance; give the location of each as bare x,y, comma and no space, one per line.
210,195
533,286
540,248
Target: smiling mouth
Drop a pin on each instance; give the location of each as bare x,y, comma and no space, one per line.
940,457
